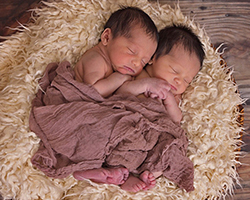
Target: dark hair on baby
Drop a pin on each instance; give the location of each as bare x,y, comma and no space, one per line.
123,20
179,35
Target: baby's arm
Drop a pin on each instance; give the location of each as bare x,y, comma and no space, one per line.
155,88
172,107
152,87
93,69
109,85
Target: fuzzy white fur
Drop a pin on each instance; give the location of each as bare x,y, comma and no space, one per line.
63,30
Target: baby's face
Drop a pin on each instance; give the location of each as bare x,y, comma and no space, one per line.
130,55
178,68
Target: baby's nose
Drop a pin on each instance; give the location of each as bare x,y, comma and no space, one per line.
137,61
177,80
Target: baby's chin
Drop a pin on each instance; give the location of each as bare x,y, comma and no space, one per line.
174,92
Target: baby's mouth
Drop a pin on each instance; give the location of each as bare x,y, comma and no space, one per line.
129,69
173,88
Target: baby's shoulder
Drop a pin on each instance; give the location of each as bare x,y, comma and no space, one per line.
92,56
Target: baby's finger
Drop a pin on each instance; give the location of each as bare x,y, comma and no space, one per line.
161,95
147,94
167,87
154,96
165,93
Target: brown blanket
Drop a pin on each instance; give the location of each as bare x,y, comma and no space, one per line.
80,130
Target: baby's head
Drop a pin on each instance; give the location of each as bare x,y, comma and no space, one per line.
122,21
178,58
130,39
179,35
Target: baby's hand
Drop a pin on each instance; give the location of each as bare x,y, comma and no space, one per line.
157,88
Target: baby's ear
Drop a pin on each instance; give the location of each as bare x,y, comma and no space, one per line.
150,62
106,36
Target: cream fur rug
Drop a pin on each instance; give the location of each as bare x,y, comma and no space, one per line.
63,30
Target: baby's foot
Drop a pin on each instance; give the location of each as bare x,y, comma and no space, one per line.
133,184
116,176
149,179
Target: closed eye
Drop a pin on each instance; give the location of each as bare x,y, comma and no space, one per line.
133,52
174,70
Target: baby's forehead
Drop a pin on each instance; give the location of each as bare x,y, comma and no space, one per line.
138,30
179,48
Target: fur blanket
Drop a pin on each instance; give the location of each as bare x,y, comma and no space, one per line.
63,30
80,130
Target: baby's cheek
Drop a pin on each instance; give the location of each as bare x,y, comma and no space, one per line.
178,98
182,90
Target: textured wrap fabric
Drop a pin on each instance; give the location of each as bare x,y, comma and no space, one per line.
80,130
